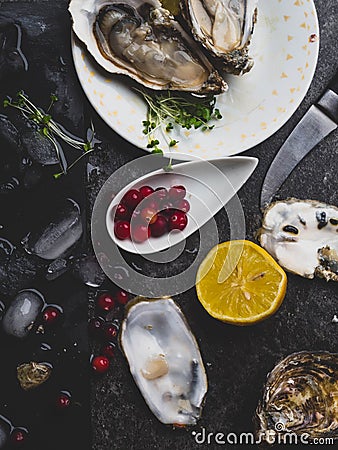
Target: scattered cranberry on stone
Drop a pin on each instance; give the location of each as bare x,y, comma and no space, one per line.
63,401
18,436
100,364
122,297
105,302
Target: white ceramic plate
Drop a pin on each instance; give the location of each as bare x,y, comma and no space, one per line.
285,49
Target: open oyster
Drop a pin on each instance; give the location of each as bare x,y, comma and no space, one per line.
164,360
141,39
300,396
302,235
224,28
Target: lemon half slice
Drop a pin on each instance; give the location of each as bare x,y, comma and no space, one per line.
240,283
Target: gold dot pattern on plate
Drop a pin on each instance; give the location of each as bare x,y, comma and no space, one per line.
292,26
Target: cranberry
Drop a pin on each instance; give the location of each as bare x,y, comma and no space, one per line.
146,190
51,314
148,215
122,230
161,193
122,297
140,233
132,198
95,326
105,302
159,227
111,331
153,203
64,400
100,364
167,208
19,436
121,213
183,205
177,193
178,221
109,350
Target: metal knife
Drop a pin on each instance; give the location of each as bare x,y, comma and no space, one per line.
319,121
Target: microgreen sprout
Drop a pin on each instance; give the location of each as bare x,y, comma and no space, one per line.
52,130
165,111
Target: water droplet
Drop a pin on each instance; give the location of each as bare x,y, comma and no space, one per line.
191,251
56,269
45,347
136,267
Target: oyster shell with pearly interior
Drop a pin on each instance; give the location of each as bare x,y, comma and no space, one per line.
224,28
141,39
302,235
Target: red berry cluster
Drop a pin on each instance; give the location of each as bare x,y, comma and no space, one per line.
106,331
162,210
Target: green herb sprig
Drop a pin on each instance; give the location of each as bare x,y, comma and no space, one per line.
52,130
167,110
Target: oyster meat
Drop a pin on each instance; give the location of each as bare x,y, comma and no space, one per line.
302,235
164,360
301,396
224,28
141,39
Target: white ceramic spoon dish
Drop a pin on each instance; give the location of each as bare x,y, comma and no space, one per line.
209,185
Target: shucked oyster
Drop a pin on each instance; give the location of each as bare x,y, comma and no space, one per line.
224,28
164,360
141,39
301,396
302,235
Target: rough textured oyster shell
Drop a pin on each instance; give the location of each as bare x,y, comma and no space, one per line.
141,39
301,396
302,235
164,360
224,28
31,375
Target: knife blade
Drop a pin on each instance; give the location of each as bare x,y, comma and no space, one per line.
317,123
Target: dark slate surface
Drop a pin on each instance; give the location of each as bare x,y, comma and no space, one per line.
237,359
45,27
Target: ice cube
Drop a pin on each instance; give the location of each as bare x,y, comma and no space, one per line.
88,270
59,235
22,313
39,148
9,133
4,431
56,268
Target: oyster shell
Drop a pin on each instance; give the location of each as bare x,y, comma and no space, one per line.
141,39
164,360
224,28
302,235
301,396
